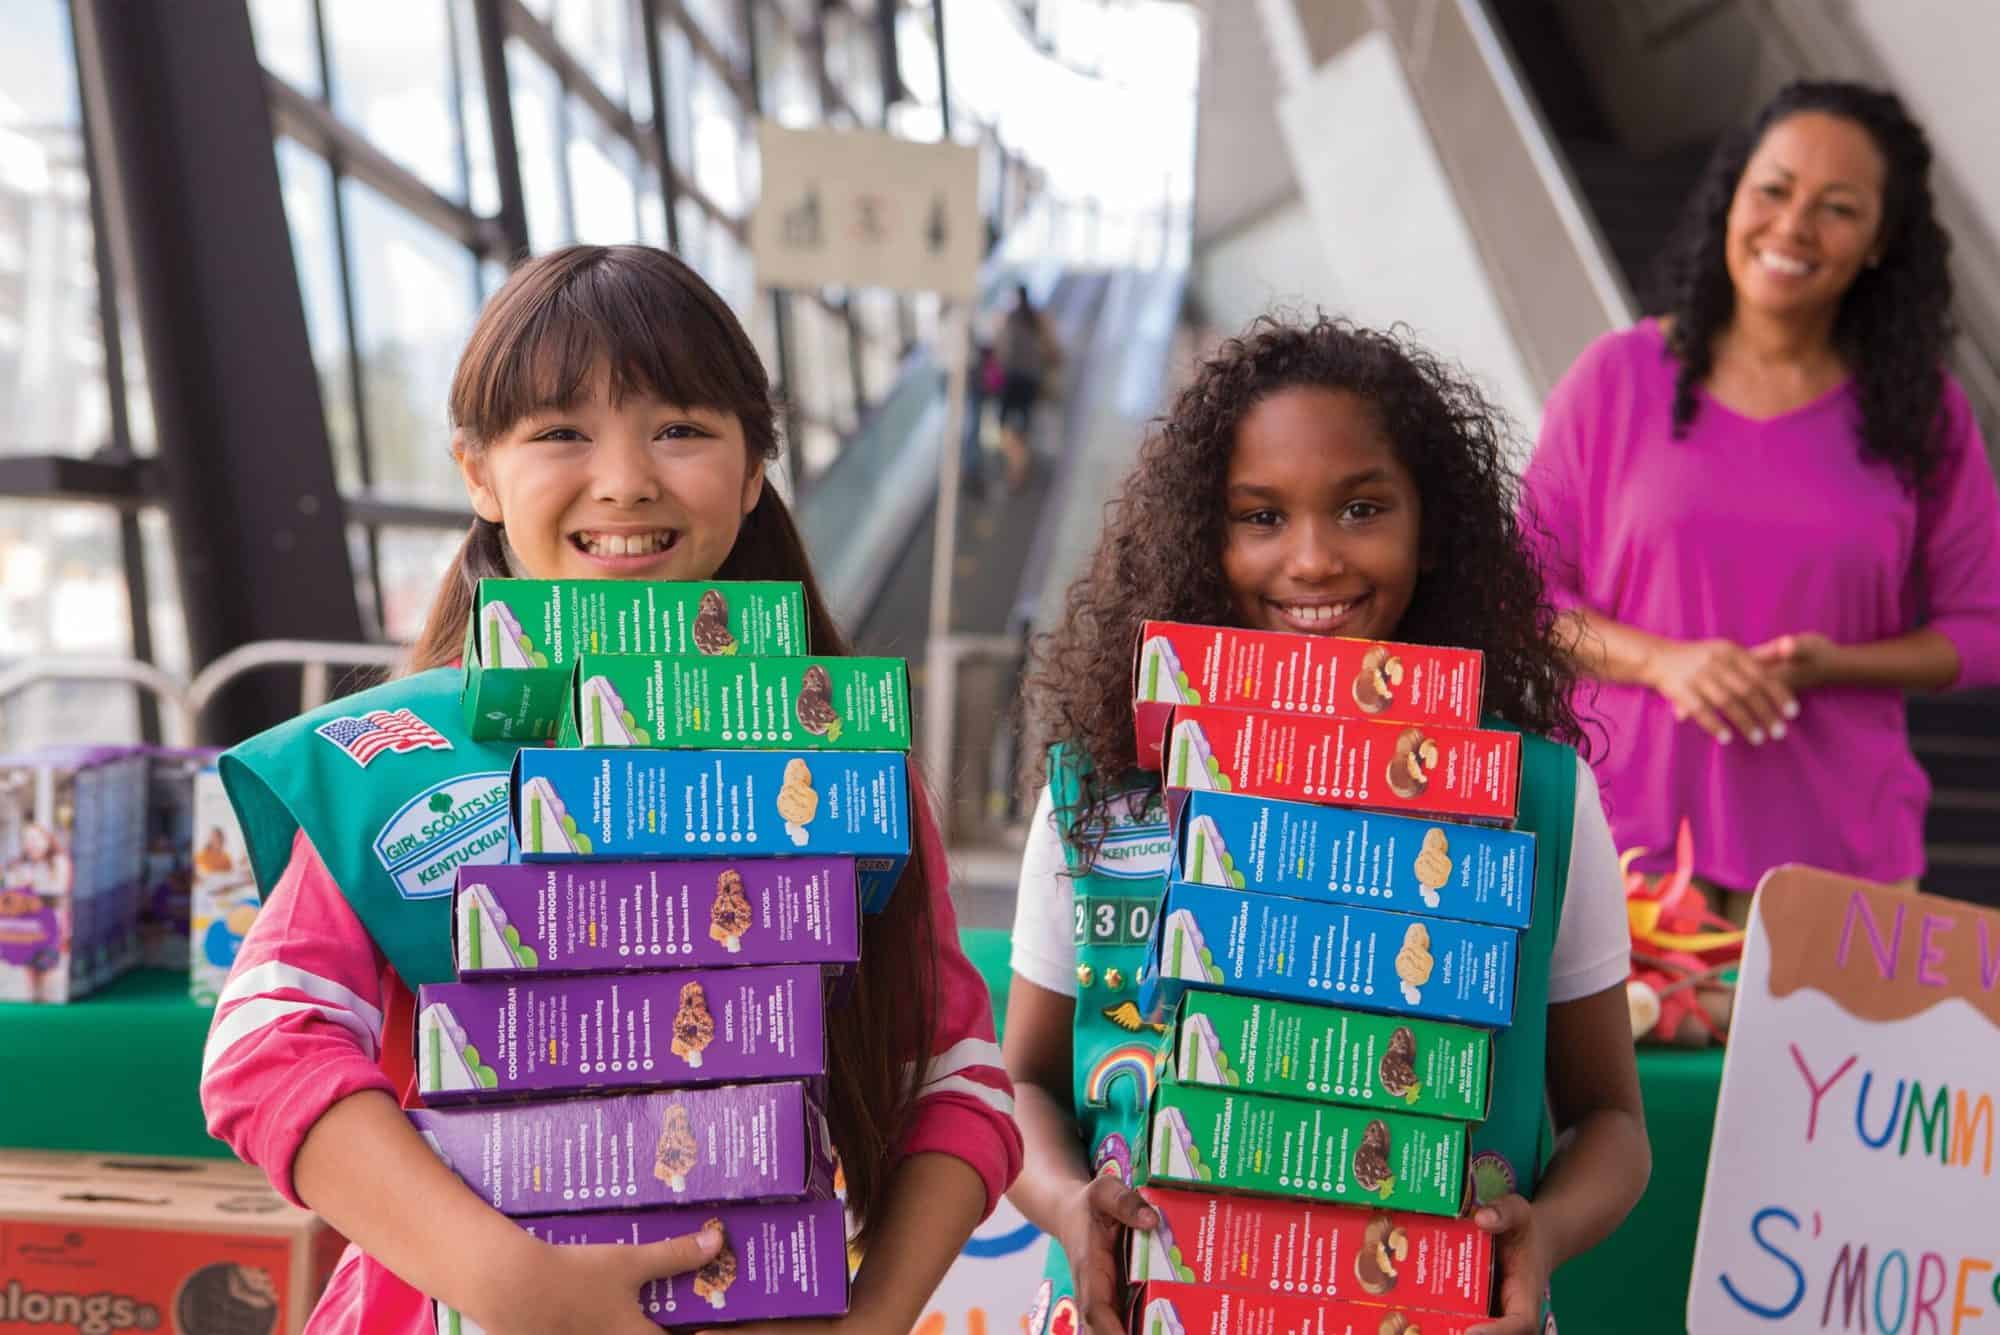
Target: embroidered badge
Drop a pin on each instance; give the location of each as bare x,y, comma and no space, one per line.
362,737
461,822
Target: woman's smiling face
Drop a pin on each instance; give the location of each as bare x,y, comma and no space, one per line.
632,488
1321,521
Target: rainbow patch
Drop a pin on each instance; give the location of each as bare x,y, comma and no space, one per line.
1134,1061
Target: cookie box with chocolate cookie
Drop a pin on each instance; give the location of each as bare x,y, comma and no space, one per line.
1316,675
778,704
1330,1053
1330,954
778,1262
627,1031
619,917
679,1147
1473,872
1186,1309
617,804
1345,1252
1227,1140
1470,773
524,637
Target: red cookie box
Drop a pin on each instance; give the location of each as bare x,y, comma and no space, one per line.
1189,1309
1295,673
1469,773
1329,1252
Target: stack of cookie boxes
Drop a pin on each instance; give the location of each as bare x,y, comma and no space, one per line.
636,1043
1328,964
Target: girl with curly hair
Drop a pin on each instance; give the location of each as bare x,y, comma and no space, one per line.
1329,480
1769,512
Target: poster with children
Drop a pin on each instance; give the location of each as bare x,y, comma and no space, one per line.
1851,1186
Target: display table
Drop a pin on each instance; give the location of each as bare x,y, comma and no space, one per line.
117,1071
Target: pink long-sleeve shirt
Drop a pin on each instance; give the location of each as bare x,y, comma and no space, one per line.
1747,529
312,1013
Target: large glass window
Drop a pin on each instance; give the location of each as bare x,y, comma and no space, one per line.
721,138
604,177
537,100
307,183
63,591
395,79
287,40
52,390
415,296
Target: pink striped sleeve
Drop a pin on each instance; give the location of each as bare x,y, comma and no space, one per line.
298,1026
965,1104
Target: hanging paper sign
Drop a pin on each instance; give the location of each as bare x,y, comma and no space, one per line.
1851,1185
860,208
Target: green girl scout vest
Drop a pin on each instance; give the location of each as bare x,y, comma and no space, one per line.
395,798
1113,920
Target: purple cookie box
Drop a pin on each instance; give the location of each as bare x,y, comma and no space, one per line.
790,1262
617,917
623,1031
687,1147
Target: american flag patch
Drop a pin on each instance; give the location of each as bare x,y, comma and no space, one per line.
365,736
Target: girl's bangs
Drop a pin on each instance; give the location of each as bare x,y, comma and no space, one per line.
635,316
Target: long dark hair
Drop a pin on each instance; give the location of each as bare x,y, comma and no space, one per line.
1894,321
1160,554
663,331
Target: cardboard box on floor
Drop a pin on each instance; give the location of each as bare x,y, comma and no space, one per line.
96,1241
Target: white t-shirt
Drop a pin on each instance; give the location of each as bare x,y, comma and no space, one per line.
1593,941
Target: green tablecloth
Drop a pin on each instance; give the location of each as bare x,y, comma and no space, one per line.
117,1072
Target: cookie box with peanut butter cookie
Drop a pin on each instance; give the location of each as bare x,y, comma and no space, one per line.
1330,1053
1227,1140
1294,673
1331,954
1469,773
778,1262
618,917
621,804
618,1152
778,704
497,1040
524,637
1347,1252
1477,873
1186,1309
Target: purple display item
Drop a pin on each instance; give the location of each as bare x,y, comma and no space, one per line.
486,1040
778,1262
679,1147
618,917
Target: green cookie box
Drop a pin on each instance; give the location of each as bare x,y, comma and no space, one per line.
686,701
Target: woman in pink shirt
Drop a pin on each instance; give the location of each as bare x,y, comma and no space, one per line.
1770,512
612,420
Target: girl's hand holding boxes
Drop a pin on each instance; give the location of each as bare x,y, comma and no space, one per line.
1524,1264
592,1290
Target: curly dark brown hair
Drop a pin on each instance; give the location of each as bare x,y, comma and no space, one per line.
1160,555
1894,322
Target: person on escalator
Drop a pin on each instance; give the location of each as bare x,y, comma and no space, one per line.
612,420
1328,480
1029,355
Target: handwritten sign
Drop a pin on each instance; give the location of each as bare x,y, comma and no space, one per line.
1851,1185
865,209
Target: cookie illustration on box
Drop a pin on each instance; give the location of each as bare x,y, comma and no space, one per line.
1398,1323
506,644
1433,866
1384,1247
1399,1065
605,721
711,625
227,1299
798,803
1411,763
712,1281
1371,1161
1376,680
729,917
694,1027
815,705
679,1153
1414,962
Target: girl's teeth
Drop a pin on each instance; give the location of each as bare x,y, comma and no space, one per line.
619,544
